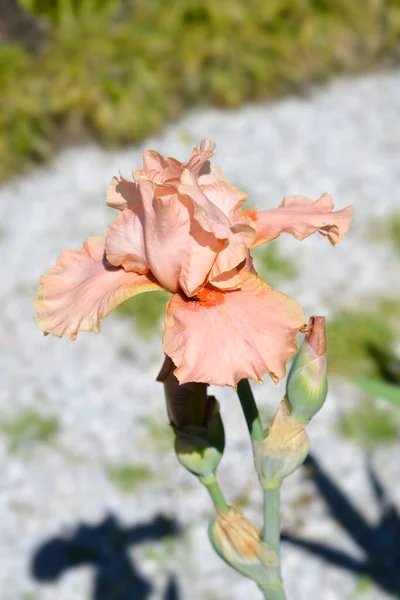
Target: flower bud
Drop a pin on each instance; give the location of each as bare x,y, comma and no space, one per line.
197,423
307,383
187,404
239,543
282,451
200,449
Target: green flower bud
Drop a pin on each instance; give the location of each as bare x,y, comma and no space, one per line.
307,383
239,543
282,451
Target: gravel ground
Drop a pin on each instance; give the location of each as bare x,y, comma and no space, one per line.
344,139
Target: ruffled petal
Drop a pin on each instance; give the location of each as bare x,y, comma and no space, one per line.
123,194
179,252
140,175
209,216
301,217
168,168
228,280
125,243
201,250
210,173
158,169
166,230
222,337
226,196
200,156
82,288
234,251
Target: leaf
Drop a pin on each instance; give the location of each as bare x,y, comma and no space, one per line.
380,389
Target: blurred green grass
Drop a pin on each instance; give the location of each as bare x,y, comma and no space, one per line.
128,477
117,70
362,347
145,311
355,336
28,428
386,229
370,425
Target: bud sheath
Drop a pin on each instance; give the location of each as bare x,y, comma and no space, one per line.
239,543
307,383
282,451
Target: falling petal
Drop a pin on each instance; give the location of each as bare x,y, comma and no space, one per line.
83,288
221,337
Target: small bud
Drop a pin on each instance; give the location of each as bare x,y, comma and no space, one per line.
197,423
239,543
282,451
307,383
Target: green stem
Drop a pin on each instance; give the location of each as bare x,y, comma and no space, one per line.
272,533
277,593
215,492
250,410
272,536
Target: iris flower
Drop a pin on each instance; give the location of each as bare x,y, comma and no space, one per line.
182,229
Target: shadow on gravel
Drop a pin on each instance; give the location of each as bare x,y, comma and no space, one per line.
106,547
380,543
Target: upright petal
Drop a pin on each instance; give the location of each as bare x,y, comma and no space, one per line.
179,252
226,196
301,217
200,156
210,173
206,213
166,230
235,249
201,251
148,175
125,243
168,168
82,288
123,194
221,337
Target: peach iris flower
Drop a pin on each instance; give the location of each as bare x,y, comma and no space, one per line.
182,229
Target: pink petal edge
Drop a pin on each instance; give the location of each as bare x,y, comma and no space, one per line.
247,333
302,217
83,288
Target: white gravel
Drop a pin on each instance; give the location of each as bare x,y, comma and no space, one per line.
344,139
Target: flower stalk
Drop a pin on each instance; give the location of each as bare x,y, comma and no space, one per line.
272,519
276,593
250,410
278,451
213,488
282,448
271,532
